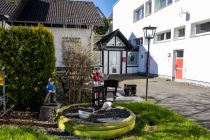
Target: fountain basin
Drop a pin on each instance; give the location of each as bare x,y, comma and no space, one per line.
101,124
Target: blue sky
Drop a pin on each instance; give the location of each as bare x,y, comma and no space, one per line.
105,6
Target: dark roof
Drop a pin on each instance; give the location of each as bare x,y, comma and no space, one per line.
7,7
54,12
108,37
11,7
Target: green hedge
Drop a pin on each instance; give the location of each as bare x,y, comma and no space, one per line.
28,55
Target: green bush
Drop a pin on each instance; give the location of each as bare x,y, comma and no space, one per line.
28,55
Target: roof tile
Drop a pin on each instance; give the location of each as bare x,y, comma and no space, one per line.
55,11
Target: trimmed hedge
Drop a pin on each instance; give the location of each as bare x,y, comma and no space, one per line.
28,55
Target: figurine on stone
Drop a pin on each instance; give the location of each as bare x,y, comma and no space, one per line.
51,92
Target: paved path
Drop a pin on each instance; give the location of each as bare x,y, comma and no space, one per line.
188,100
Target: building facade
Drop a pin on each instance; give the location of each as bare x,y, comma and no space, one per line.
180,49
118,56
69,21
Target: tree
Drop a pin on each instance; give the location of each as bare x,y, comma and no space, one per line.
78,61
101,30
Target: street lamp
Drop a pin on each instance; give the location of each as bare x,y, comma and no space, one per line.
149,33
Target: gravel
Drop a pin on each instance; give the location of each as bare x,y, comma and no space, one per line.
101,116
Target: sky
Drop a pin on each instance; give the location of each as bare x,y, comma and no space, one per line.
105,6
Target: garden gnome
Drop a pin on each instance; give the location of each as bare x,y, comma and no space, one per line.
51,92
96,76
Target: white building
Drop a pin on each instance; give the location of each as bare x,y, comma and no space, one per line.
180,49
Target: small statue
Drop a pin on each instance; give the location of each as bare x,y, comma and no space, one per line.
96,76
51,92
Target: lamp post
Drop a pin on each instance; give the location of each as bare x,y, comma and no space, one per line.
149,33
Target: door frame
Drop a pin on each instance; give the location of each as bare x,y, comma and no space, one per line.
108,64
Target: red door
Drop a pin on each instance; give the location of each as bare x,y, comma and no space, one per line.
179,64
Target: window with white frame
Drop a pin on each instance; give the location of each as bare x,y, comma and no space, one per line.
160,37
168,35
202,28
148,8
163,36
159,4
132,58
179,33
139,13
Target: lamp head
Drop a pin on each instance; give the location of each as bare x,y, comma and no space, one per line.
149,32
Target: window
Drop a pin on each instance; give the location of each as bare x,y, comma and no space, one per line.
163,36
168,35
179,33
180,53
132,58
139,13
139,41
160,37
202,28
159,4
148,8
169,2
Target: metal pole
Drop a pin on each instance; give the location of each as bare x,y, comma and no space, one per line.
4,92
148,63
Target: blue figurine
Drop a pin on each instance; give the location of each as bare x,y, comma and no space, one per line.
51,92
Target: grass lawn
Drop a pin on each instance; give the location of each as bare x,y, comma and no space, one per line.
22,133
154,123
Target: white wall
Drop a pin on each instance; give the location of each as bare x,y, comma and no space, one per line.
123,63
131,70
196,49
59,33
106,62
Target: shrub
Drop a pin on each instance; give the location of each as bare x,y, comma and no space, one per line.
78,62
29,58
